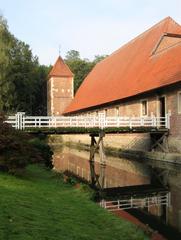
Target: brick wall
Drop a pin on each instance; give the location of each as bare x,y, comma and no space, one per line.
60,94
132,108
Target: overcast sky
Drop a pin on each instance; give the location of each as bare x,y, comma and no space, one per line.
90,26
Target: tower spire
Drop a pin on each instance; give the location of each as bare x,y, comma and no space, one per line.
59,50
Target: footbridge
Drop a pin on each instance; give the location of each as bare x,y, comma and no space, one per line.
58,124
97,126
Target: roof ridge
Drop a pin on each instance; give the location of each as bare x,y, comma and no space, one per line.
131,71
166,20
60,68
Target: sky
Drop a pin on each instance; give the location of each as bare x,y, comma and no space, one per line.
92,27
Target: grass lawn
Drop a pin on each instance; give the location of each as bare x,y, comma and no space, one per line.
39,206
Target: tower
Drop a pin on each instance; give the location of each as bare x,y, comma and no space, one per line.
60,90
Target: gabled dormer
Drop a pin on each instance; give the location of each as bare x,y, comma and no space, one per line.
167,41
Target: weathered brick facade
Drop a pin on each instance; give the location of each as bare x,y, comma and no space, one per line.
60,90
132,107
60,94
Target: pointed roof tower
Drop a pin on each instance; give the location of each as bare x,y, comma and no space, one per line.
60,69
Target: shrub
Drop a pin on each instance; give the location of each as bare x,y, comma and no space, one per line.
44,151
17,149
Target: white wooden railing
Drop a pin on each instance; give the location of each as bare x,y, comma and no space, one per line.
146,202
21,121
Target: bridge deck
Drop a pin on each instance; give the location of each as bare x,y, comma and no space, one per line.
88,124
77,130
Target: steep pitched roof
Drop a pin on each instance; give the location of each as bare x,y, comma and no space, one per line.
60,69
133,69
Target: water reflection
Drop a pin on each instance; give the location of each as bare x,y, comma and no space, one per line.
118,172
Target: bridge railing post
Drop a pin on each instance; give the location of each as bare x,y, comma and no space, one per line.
16,121
154,122
20,120
167,120
130,123
102,120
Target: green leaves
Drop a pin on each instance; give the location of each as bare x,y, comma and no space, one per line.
22,79
18,149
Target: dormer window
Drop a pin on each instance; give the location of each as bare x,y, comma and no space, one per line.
167,41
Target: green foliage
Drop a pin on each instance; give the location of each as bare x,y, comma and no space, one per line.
22,79
58,130
44,151
72,55
6,86
40,205
18,149
14,148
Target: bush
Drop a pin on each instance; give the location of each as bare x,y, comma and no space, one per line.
44,151
17,149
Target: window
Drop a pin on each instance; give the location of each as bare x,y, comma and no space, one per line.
144,107
117,111
179,102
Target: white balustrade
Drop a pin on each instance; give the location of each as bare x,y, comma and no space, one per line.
147,201
21,121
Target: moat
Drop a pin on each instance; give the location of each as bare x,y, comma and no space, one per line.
120,172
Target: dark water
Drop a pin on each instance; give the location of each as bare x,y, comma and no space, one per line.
118,172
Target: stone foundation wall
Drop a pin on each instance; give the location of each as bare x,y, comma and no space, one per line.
123,141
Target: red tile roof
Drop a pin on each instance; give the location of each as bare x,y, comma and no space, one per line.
60,69
132,69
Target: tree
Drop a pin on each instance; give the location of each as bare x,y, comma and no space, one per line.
98,58
6,86
18,149
72,55
22,79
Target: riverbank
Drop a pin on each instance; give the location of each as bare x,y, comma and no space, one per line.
39,205
155,166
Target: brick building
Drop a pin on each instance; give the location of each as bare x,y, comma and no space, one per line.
142,78
59,88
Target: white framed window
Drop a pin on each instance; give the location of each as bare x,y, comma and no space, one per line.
179,101
144,107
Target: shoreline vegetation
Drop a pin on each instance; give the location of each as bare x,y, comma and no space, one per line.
39,204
